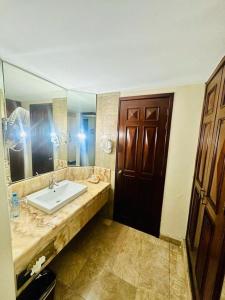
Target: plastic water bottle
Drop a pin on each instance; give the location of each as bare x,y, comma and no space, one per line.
15,206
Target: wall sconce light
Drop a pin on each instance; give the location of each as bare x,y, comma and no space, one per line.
106,144
58,139
23,134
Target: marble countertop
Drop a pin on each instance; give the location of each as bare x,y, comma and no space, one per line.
35,228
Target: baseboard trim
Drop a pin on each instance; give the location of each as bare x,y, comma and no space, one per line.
170,240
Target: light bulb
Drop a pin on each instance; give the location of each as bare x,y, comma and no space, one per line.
81,136
23,134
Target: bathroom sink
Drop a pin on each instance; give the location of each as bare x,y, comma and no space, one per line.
50,200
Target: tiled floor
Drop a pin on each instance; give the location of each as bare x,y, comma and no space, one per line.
110,261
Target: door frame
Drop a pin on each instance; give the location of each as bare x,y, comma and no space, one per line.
170,113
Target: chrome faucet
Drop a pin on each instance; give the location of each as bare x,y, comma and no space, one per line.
52,183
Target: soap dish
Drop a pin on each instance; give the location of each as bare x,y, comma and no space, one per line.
94,179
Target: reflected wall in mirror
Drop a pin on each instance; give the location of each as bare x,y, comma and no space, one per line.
1,91
81,128
2,113
36,133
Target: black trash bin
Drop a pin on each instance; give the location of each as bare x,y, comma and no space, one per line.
41,288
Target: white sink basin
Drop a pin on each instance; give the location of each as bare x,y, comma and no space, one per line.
50,200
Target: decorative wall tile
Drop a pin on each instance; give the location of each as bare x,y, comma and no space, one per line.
34,184
80,173
60,163
103,173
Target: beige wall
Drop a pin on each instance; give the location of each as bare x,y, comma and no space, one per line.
182,149
7,285
106,124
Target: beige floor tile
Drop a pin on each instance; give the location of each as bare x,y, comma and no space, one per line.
87,278
108,261
143,262
110,287
62,292
67,266
100,242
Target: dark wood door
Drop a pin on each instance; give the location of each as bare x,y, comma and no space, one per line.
144,129
16,158
41,129
206,225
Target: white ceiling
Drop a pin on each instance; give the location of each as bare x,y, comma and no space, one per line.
114,45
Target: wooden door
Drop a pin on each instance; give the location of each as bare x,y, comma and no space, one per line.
16,158
206,225
42,147
143,137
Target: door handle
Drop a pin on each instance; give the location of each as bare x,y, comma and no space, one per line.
120,172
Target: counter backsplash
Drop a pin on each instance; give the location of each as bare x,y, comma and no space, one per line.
34,184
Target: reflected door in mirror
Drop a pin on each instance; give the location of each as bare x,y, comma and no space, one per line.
41,129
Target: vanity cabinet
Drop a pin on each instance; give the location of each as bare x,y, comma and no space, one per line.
206,225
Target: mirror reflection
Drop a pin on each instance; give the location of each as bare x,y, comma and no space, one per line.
36,124
81,128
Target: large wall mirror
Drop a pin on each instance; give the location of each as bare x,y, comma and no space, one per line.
81,128
36,133
46,126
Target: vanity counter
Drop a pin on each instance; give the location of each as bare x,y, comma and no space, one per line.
36,233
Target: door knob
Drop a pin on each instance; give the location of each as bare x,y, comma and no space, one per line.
120,172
